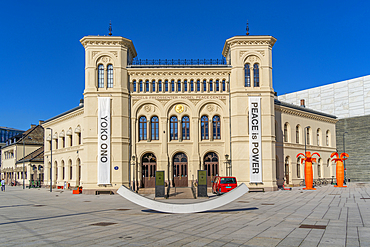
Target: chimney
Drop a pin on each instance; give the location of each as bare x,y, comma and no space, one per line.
303,103
41,122
33,125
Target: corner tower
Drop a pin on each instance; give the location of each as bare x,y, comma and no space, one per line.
106,112
252,109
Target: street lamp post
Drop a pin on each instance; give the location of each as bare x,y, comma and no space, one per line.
134,171
305,144
344,161
24,155
51,159
305,141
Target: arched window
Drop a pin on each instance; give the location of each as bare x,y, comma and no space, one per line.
101,76
185,128
142,128
286,133
204,127
223,85
166,85
318,137
198,85
217,85
141,85
155,128
159,85
191,85
327,138
134,86
185,85
179,86
210,85
247,74
256,75
173,86
298,167
297,134
147,86
216,128
153,86
110,76
204,86
173,128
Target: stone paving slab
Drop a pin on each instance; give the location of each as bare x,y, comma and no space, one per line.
38,217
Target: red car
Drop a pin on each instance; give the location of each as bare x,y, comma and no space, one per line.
223,184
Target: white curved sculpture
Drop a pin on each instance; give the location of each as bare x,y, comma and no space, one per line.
183,208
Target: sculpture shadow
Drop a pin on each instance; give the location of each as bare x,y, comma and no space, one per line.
209,211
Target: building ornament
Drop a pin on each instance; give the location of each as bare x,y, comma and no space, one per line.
210,108
94,53
147,108
261,52
179,108
114,53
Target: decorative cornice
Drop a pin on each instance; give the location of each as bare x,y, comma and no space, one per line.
65,117
248,41
304,114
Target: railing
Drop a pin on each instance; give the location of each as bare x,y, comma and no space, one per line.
178,62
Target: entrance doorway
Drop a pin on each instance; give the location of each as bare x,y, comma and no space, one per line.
211,165
149,166
180,170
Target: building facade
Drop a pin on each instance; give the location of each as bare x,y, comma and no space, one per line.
181,116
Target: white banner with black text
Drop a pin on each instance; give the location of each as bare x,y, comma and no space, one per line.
104,140
255,157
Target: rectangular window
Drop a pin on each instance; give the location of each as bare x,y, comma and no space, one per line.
178,86
159,86
172,86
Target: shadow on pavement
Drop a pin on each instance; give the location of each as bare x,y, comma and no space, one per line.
209,211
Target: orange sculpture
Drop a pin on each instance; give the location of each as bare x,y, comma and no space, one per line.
340,167
308,168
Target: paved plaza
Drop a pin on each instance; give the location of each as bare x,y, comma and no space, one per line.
326,217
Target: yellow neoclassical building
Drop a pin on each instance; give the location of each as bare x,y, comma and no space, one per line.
180,116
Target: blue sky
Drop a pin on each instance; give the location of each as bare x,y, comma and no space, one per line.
42,60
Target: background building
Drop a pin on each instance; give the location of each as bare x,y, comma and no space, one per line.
16,148
350,101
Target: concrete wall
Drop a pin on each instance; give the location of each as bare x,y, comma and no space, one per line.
343,99
357,145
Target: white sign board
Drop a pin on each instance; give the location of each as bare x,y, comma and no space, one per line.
104,140
255,157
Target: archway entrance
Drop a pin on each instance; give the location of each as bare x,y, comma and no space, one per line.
149,166
211,165
180,170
